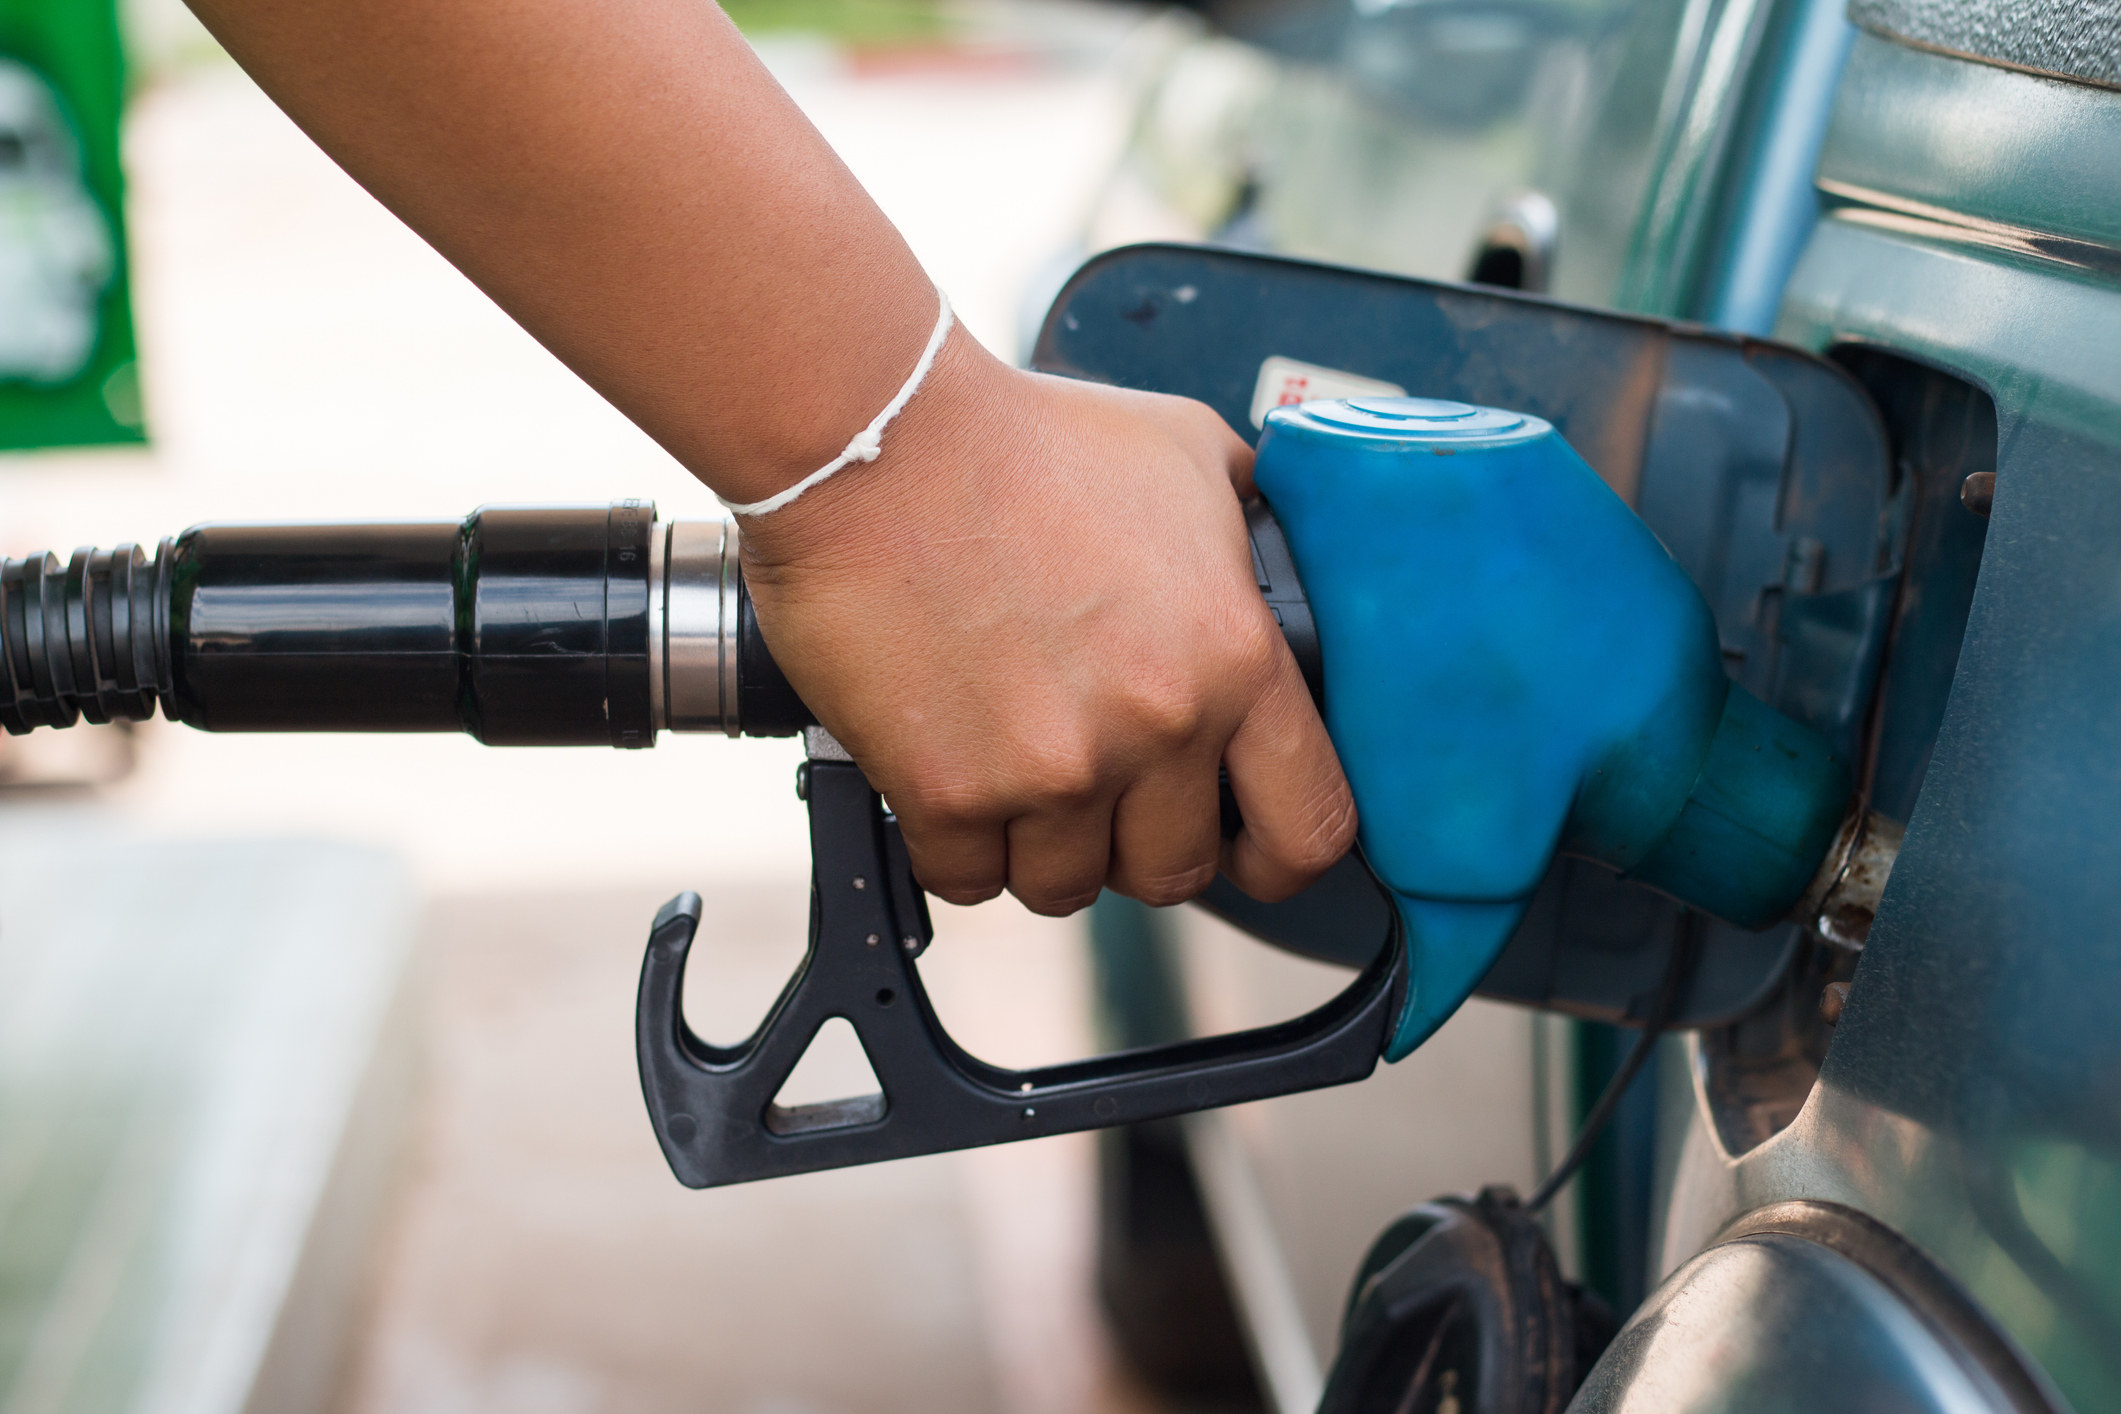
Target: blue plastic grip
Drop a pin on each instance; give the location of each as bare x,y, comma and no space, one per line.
1515,667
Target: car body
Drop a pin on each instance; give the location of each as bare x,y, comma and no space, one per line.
1909,1206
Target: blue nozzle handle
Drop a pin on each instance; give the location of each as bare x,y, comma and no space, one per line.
1514,668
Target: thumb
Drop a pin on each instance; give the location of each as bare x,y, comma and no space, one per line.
1299,813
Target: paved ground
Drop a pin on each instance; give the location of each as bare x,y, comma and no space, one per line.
546,1263
305,356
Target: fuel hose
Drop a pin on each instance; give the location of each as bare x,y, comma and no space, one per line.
522,626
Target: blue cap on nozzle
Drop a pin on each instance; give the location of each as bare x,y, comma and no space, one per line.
1515,667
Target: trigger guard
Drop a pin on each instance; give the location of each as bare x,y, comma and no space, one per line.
709,1105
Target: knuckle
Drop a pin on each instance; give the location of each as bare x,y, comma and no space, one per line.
938,801
1062,772
1168,713
1057,904
1326,836
1057,885
1166,890
1256,649
1207,424
964,895
955,880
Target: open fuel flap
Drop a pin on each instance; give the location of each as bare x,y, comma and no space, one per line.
1764,470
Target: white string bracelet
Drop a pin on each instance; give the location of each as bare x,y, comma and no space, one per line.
868,443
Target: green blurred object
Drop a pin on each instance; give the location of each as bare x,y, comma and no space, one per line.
68,375
858,22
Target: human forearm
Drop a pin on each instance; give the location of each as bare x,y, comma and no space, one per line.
630,184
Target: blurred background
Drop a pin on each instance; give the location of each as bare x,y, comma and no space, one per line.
316,1077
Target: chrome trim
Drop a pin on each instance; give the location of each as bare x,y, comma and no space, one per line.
1528,224
1867,206
658,553
695,659
731,618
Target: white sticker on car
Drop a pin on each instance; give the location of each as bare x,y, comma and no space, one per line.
1286,381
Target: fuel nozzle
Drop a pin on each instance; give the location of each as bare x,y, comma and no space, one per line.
1515,668
1510,664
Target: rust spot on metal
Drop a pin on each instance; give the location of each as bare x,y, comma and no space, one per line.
1617,455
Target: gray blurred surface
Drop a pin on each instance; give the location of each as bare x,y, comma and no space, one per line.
545,1261
205,1067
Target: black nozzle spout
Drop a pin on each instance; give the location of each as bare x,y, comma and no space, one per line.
518,625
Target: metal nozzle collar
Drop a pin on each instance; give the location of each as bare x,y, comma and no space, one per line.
693,623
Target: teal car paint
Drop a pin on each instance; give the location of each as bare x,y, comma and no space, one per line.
1965,1100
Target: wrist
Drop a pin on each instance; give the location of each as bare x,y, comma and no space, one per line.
867,444
857,513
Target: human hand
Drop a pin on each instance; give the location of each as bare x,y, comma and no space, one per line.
1033,622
